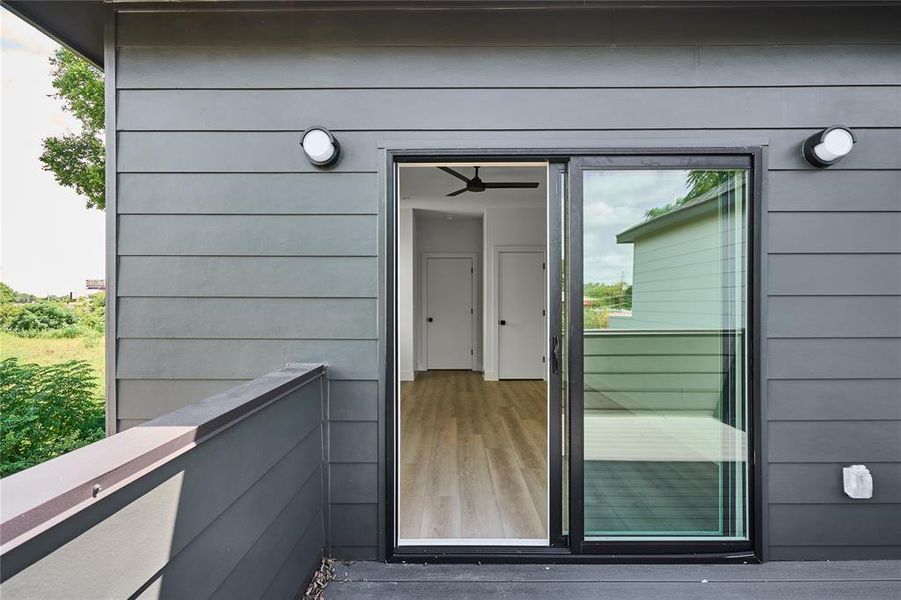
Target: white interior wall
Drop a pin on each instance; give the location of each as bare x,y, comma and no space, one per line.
414,340
504,217
406,256
435,233
504,226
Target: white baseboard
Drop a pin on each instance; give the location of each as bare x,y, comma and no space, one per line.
407,375
490,376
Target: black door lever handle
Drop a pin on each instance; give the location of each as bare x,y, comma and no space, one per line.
502,322
555,354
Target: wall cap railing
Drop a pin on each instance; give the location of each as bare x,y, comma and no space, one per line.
42,496
658,332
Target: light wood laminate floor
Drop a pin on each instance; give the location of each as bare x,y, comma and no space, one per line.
473,458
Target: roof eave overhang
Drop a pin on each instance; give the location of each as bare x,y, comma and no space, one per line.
77,24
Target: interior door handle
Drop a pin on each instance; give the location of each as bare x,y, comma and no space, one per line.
555,354
502,322
430,319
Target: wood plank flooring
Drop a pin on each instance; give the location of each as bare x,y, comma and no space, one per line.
473,458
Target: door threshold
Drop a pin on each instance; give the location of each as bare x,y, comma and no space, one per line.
557,555
453,542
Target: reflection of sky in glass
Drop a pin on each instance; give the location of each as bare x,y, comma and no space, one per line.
614,202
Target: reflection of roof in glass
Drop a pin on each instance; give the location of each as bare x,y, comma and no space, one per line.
701,205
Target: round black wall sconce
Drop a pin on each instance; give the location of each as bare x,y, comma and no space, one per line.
320,146
827,147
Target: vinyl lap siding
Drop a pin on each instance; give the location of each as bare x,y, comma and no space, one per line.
236,256
226,275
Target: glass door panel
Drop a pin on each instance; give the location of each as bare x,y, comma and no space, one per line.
664,352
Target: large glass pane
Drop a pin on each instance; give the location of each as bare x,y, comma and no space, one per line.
665,423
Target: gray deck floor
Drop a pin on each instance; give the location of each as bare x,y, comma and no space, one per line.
776,580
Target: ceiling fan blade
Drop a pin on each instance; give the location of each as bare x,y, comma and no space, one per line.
512,185
460,191
455,174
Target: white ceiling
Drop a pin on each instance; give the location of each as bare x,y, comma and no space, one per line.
425,187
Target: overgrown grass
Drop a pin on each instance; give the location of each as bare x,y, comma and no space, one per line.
49,351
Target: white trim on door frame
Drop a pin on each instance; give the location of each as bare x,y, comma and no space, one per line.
419,360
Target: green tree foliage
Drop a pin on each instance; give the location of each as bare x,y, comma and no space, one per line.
617,296
46,411
41,316
594,318
603,298
77,160
91,311
8,312
699,183
22,316
7,295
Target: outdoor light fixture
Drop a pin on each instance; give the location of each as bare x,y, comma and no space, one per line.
320,146
827,147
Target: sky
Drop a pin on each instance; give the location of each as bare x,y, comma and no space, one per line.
49,242
615,201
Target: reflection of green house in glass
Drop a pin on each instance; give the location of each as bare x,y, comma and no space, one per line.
687,289
663,384
681,265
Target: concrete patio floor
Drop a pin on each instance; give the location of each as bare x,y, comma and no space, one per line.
857,580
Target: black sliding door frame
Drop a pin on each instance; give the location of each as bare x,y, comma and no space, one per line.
565,248
750,160
558,543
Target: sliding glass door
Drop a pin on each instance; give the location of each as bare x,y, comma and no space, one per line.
658,313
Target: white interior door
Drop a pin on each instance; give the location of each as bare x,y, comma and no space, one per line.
521,314
449,313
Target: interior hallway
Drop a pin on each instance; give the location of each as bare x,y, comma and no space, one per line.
473,458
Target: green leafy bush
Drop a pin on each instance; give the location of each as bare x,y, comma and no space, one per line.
594,318
46,411
91,311
51,318
35,318
8,312
616,296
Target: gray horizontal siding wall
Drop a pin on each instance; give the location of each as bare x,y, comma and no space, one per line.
235,255
240,515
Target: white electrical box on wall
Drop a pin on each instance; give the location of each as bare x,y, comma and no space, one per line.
858,482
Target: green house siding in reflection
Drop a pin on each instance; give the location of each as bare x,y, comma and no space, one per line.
654,371
661,438
665,431
683,274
